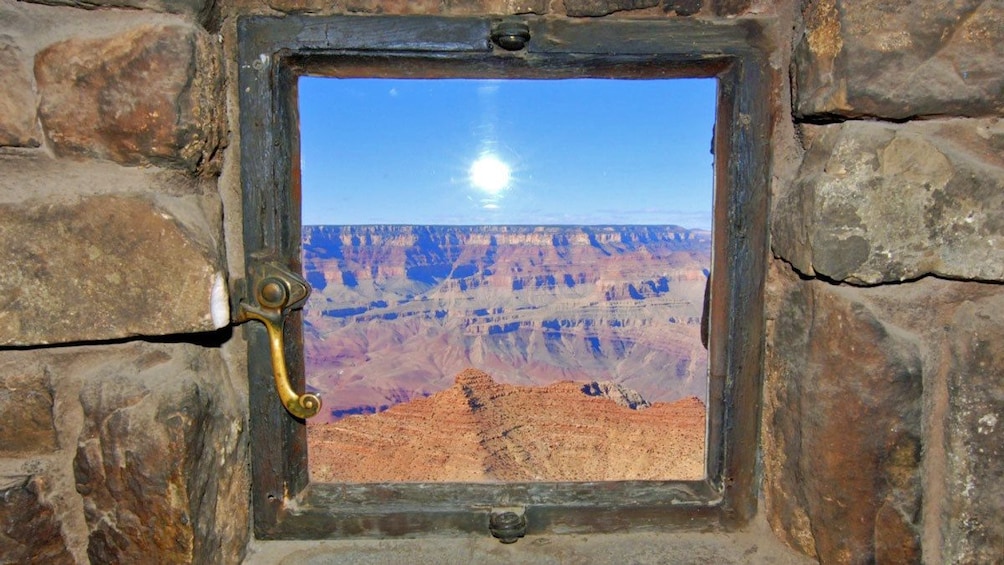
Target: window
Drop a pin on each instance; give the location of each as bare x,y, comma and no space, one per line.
553,236
275,53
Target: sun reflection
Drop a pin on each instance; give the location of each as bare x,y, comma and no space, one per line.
490,174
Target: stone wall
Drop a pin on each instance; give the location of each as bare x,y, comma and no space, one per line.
122,431
884,392
122,389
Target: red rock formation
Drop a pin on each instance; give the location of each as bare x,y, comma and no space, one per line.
479,430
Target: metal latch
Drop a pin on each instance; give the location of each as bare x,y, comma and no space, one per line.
269,294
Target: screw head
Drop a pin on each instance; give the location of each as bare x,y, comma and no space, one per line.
511,35
507,527
272,294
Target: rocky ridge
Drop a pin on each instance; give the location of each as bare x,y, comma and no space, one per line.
479,430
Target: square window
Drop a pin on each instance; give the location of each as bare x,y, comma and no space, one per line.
275,53
505,290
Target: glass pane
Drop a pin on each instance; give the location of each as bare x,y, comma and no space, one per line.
508,277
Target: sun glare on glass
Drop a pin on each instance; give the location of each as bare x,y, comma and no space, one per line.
490,174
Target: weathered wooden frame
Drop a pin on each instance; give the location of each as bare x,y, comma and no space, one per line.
274,52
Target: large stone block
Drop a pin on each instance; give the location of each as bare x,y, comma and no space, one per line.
880,202
27,426
160,462
842,437
901,59
29,529
959,331
973,528
148,96
18,125
106,267
197,9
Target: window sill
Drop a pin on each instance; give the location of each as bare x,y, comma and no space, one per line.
754,544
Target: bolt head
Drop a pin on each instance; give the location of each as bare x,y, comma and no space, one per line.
507,527
511,36
273,294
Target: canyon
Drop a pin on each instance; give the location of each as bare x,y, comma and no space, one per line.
479,430
397,311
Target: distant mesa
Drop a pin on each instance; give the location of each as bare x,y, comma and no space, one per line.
480,430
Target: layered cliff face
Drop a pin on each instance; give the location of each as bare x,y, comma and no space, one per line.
398,310
479,430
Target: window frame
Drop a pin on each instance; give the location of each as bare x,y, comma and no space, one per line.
274,51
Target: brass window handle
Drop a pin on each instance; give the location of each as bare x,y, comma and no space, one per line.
276,292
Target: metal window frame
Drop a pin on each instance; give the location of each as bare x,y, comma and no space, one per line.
274,51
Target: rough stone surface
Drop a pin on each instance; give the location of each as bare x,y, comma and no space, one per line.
974,524
395,7
107,267
878,202
504,7
950,312
683,7
159,462
18,126
842,437
148,96
305,6
31,176
197,9
730,7
26,419
29,528
901,59
589,8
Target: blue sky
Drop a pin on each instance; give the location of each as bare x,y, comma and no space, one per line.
576,152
